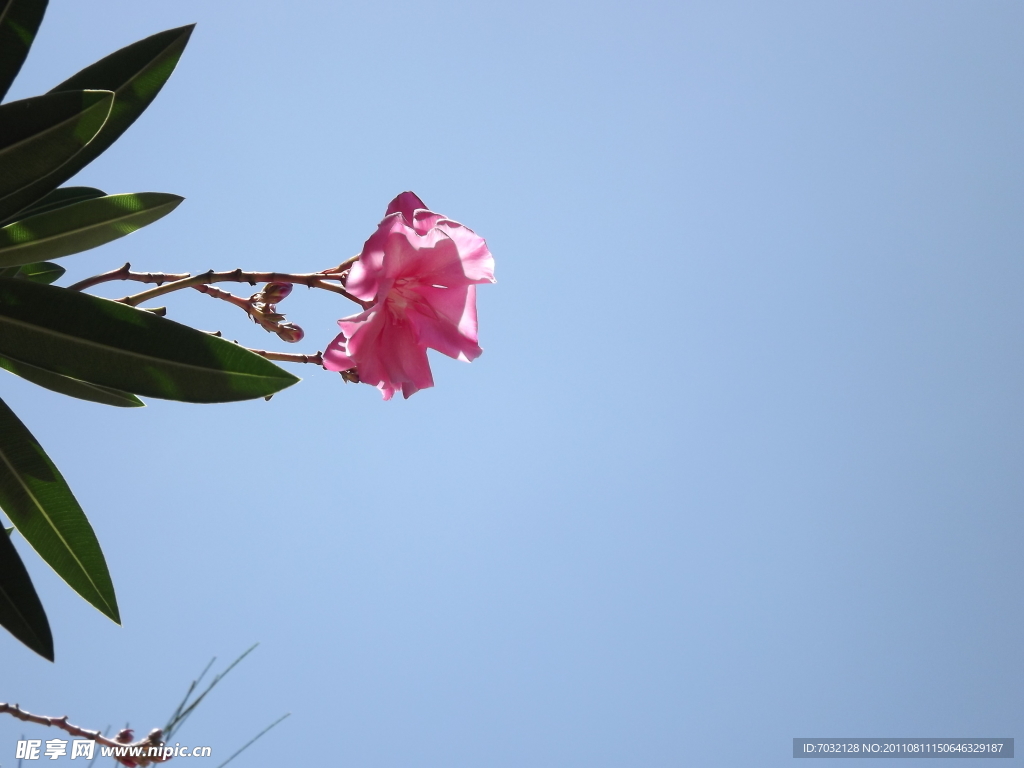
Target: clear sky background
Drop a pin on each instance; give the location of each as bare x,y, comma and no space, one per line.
742,460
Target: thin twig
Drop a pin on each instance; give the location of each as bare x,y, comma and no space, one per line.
217,293
167,728
125,273
183,715
62,722
312,279
93,757
344,267
316,358
253,740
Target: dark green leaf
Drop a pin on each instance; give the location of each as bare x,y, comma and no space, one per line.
113,345
19,22
9,531
71,387
81,226
44,272
43,509
59,198
135,74
39,136
21,613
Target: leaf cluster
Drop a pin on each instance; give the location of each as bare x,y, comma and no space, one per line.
69,342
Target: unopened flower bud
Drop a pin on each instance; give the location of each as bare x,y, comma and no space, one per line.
290,332
275,292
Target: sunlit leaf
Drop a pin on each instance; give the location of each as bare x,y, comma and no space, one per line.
135,74
19,22
70,387
59,198
42,272
41,506
80,226
21,613
39,136
113,345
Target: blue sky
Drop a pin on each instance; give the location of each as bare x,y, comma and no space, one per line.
740,462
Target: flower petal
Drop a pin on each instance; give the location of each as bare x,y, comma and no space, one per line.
384,350
406,204
421,270
477,261
335,358
445,320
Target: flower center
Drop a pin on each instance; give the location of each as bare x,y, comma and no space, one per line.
401,296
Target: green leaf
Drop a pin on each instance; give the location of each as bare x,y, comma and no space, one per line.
71,387
38,137
44,272
21,613
135,74
9,530
19,22
114,345
80,226
43,509
59,198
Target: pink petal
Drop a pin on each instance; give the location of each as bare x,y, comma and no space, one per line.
445,320
334,356
406,204
457,306
421,270
477,261
385,352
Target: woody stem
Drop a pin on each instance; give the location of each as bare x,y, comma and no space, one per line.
316,358
62,722
168,282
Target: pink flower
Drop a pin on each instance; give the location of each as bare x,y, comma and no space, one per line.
421,271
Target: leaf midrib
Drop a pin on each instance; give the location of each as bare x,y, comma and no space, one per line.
77,116
119,350
43,240
42,511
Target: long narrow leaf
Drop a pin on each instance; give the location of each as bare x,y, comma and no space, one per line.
43,509
43,272
70,387
19,22
39,136
21,613
80,226
135,74
113,345
59,198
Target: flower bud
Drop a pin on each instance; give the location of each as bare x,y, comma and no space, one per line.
290,332
275,292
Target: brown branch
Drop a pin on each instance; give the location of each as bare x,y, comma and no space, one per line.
311,279
125,273
217,293
343,268
170,281
316,358
152,740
